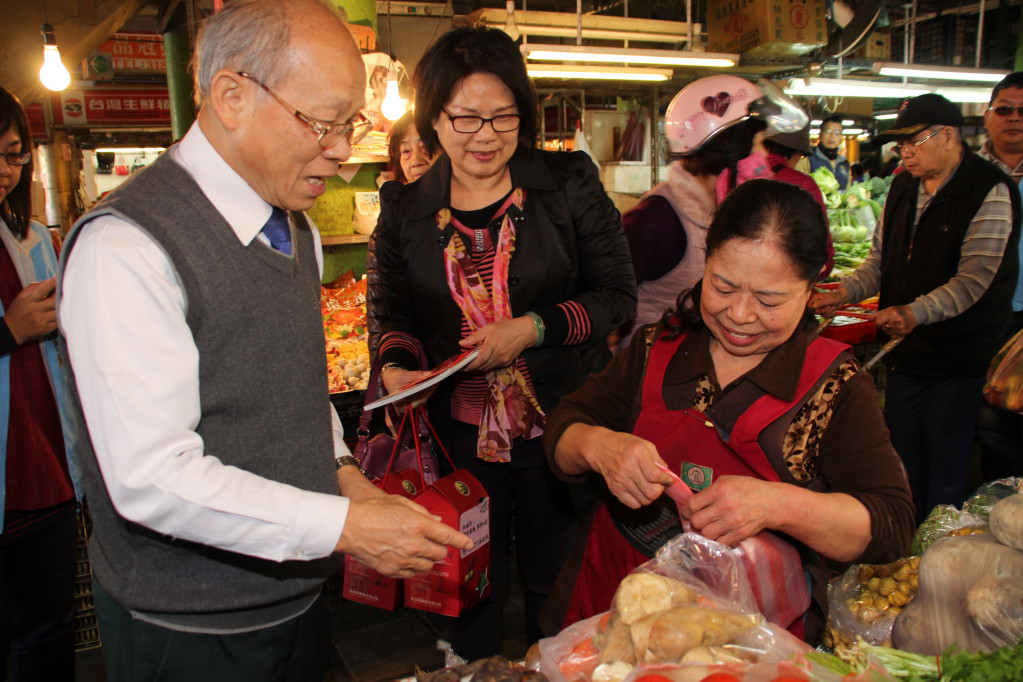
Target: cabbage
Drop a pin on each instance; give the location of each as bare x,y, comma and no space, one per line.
825,179
843,233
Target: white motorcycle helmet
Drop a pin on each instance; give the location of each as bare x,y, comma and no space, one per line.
709,105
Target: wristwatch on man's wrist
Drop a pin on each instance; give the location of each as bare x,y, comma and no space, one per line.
348,461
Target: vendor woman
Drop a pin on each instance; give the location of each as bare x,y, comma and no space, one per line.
775,428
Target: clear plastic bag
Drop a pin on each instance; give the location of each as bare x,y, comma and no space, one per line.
990,493
865,601
943,521
970,595
691,605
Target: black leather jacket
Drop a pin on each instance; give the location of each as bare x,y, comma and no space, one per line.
570,246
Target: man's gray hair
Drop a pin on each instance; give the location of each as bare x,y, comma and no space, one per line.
247,35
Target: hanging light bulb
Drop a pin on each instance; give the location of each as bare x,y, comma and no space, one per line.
54,75
393,105
510,27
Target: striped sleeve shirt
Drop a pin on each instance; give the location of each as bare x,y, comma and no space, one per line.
979,259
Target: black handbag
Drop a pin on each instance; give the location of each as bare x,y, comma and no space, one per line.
413,448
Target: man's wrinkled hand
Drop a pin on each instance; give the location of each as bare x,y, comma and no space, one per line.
396,536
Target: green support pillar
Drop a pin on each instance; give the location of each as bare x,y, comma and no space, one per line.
1019,49
179,81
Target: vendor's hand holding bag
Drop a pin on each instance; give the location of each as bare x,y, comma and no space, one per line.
375,454
1004,387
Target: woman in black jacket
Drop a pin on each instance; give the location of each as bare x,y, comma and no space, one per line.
518,252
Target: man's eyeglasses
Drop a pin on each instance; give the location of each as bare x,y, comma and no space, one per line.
327,135
1006,111
505,123
17,158
906,146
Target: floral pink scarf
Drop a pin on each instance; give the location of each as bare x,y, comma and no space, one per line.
510,408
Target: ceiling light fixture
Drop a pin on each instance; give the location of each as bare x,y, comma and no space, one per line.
620,55
848,87
393,105
54,75
951,73
621,73
964,95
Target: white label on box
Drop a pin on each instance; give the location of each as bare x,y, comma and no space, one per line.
475,523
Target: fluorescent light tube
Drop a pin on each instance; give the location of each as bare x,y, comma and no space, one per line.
619,55
951,73
848,87
621,73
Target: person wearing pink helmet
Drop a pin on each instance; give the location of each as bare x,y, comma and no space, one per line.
708,128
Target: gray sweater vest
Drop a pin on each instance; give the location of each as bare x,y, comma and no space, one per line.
255,317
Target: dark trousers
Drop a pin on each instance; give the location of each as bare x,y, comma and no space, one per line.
1000,434
37,627
932,423
297,650
529,506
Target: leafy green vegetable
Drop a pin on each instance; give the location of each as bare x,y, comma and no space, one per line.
902,664
825,179
1001,665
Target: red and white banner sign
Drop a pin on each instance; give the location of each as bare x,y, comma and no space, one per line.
36,120
111,107
130,52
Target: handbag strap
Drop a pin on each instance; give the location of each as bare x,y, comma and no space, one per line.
436,438
373,392
397,444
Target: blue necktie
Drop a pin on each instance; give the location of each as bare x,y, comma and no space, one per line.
278,231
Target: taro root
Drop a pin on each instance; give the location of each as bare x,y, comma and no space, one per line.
641,594
668,636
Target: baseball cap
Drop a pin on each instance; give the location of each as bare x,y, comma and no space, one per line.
798,140
921,112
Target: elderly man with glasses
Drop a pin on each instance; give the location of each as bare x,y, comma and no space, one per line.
999,431
190,306
945,262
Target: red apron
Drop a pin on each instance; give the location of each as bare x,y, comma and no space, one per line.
688,435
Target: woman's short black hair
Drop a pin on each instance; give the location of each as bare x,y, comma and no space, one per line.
17,208
398,131
764,210
724,150
463,52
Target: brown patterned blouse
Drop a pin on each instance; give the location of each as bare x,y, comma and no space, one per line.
835,442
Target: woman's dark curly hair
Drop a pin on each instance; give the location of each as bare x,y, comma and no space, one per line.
765,210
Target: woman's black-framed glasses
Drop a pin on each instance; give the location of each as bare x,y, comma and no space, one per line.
505,123
329,134
17,158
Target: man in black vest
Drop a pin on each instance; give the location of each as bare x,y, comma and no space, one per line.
190,305
945,262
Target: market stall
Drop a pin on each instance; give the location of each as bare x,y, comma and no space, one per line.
951,610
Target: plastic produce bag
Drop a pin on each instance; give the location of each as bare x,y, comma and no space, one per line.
691,605
865,601
990,493
943,521
969,595
1004,387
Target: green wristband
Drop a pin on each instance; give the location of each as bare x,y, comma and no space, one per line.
540,329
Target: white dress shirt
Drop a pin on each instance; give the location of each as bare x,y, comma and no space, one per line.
122,310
